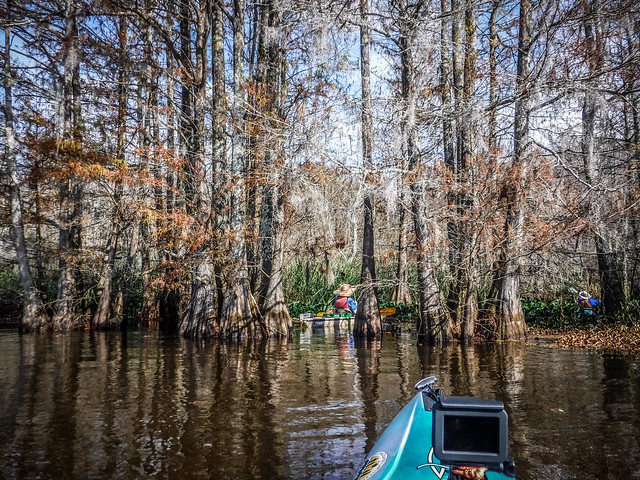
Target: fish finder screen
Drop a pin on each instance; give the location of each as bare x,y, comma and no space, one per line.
471,434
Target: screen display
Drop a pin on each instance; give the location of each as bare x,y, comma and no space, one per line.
471,434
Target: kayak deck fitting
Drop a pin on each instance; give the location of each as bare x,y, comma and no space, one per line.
444,438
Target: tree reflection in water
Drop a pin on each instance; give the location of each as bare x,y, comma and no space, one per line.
111,405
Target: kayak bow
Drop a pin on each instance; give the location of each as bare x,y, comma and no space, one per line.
442,438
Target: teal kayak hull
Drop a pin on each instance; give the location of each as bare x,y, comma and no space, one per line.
405,451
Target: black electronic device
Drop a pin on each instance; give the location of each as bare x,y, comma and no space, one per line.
470,431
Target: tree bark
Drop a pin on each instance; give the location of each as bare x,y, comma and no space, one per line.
368,322
402,293
510,318
169,301
610,284
199,321
103,318
34,318
457,163
275,311
238,316
66,316
434,325
220,167
271,76
468,279
493,80
433,321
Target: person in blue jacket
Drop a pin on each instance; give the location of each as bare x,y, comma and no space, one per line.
587,303
343,302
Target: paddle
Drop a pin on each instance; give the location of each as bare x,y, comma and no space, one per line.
385,312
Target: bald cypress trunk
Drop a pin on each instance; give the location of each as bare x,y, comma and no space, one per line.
610,284
66,316
433,323
105,317
509,315
199,321
467,234
169,301
238,316
220,168
33,318
401,293
272,92
368,322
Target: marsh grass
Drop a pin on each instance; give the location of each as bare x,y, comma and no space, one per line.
307,291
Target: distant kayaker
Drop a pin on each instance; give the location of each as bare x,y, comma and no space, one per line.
586,301
343,302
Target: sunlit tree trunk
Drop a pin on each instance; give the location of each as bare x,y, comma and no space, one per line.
33,318
169,301
456,162
66,316
368,322
467,235
238,307
402,293
461,159
256,123
433,322
275,311
220,167
148,84
273,77
509,315
493,79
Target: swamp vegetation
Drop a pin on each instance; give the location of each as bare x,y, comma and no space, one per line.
212,169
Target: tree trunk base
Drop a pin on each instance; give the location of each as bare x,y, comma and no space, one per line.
277,319
199,321
34,320
238,317
368,322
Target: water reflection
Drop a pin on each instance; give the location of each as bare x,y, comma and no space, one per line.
108,405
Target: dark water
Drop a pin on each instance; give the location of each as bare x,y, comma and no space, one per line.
142,406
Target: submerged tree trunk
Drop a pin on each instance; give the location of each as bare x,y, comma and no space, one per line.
33,318
368,322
